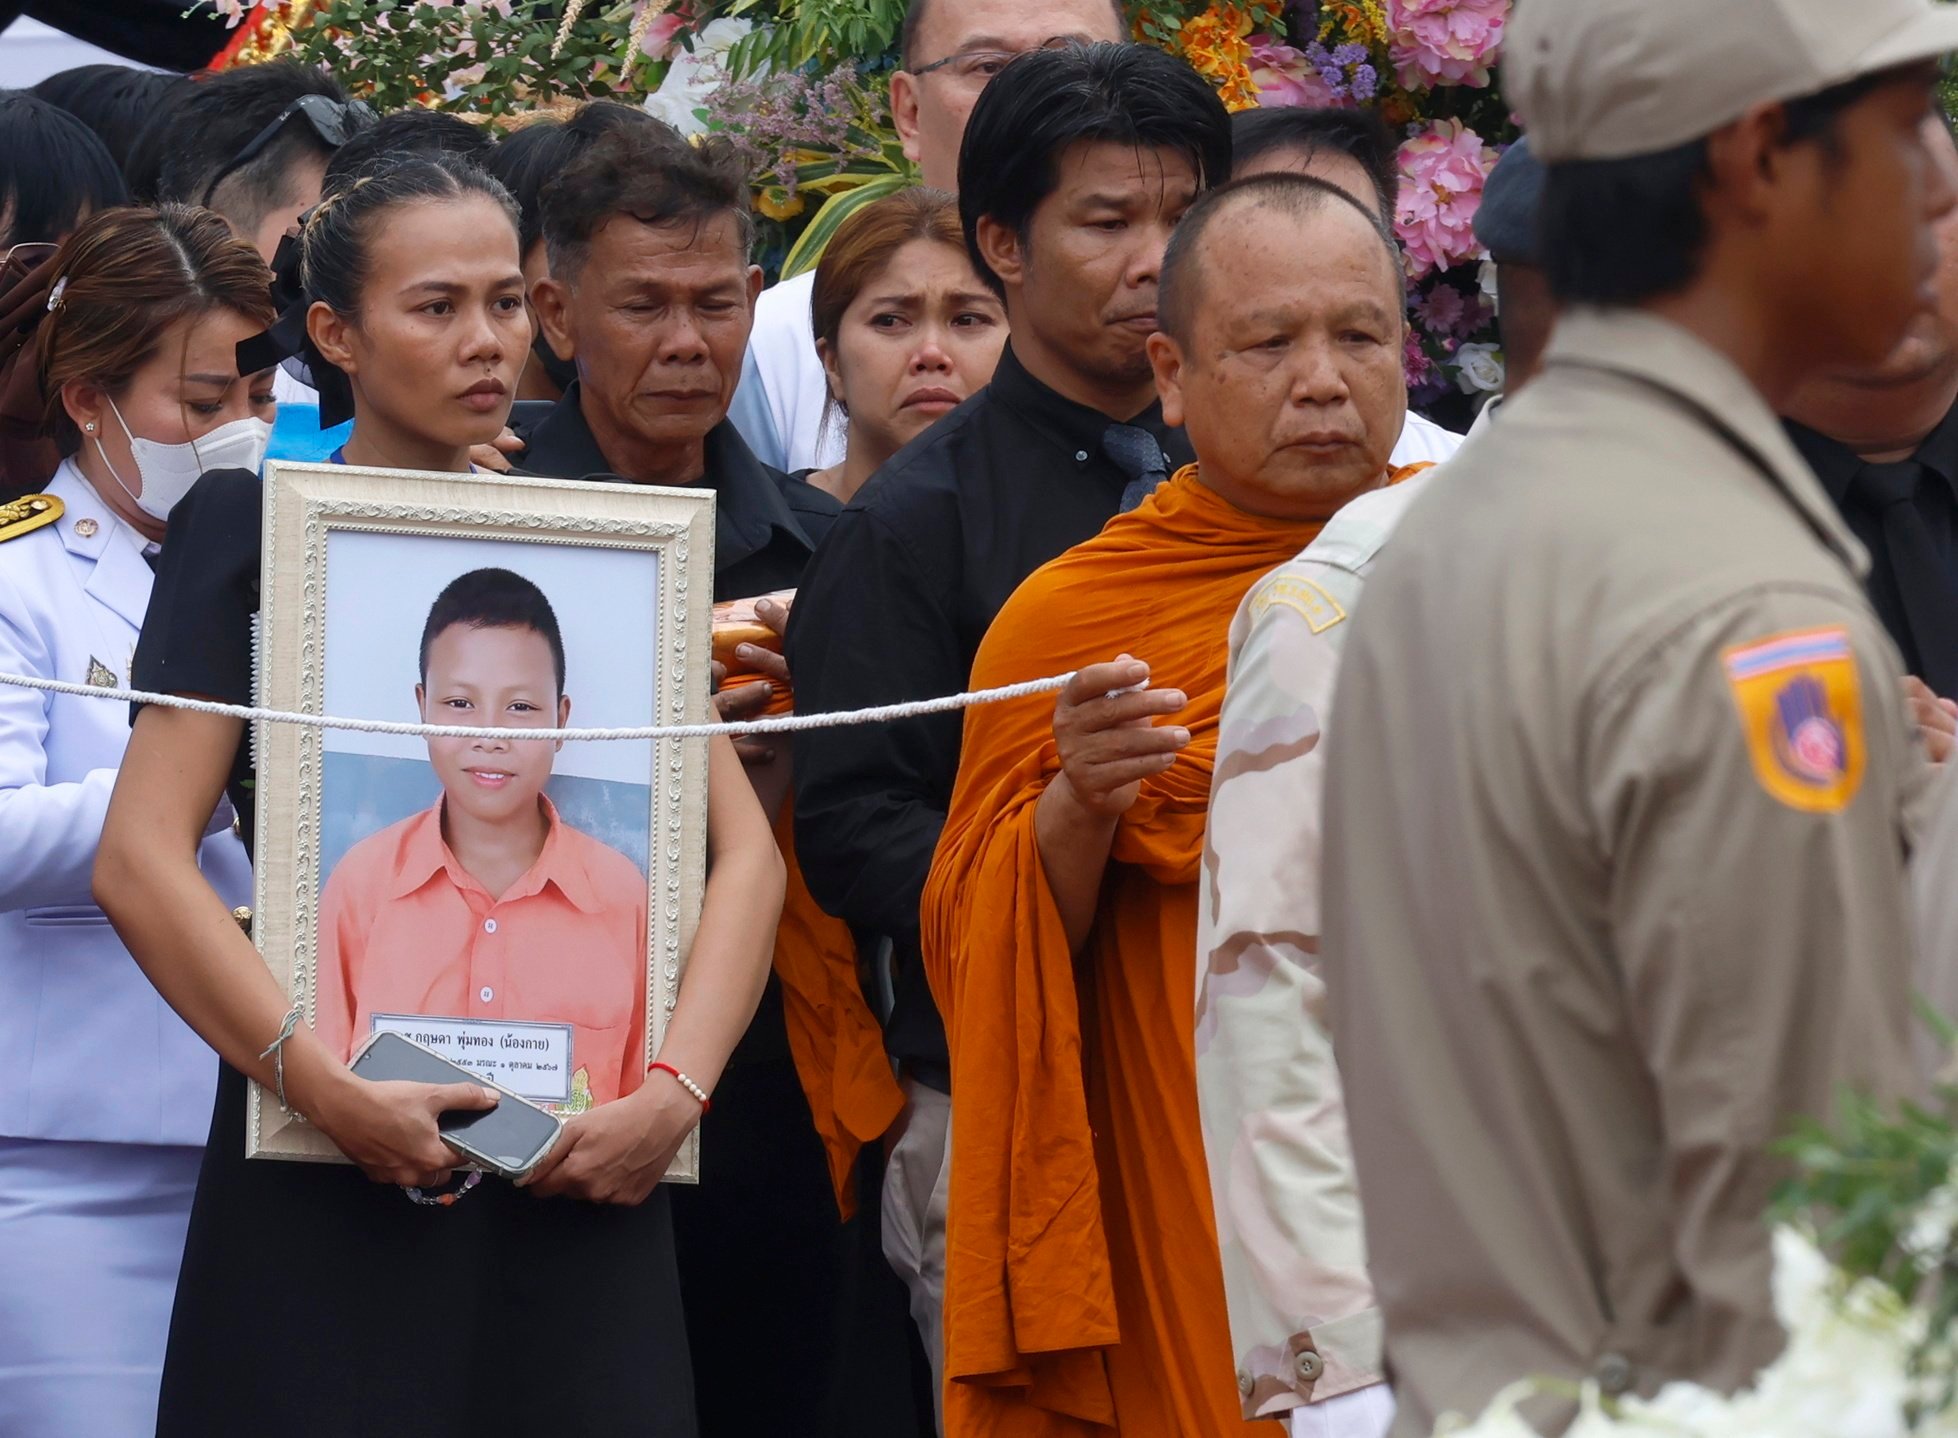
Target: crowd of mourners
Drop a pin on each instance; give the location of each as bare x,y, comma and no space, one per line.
1382,973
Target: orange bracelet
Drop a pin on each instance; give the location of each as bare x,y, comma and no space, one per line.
706,1104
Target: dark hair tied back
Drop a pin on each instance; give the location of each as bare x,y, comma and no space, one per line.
328,261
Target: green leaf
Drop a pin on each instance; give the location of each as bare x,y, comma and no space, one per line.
807,251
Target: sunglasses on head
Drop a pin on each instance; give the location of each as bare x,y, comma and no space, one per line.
334,121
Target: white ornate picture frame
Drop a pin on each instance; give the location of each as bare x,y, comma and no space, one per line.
312,515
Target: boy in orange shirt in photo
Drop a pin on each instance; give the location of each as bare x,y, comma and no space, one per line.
487,907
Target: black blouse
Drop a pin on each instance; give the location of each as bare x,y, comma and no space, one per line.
197,638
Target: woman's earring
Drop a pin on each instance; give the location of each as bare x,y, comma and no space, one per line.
89,427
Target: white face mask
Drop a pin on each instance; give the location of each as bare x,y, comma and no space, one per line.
169,470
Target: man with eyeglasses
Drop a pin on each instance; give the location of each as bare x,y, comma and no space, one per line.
253,144
952,49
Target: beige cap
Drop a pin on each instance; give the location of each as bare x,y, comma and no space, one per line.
1609,79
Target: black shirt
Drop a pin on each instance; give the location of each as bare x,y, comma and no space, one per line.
893,609
1836,465
765,524
197,635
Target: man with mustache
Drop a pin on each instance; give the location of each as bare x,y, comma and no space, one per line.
1077,164
1083,1291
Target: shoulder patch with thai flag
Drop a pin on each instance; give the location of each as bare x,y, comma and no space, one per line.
1801,709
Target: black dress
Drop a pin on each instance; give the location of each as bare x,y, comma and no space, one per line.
312,1301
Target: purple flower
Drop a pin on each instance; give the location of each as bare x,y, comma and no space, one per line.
1443,309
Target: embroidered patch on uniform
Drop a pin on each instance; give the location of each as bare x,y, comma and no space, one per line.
1317,608
1801,708
100,675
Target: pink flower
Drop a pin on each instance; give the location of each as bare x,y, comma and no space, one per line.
1285,77
1415,364
1442,171
660,35
1443,308
1444,42
232,11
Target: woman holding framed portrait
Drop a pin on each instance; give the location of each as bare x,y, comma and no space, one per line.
316,1301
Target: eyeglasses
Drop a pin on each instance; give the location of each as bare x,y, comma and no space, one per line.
977,67
334,121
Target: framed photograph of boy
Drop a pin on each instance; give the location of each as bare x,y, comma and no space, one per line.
523,907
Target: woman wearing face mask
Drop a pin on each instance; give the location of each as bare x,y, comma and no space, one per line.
905,327
322,1299
104,1093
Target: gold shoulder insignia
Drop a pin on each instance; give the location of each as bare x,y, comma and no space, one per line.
27,514
1318,609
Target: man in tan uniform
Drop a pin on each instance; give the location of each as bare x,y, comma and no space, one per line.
1618,760
1274,1129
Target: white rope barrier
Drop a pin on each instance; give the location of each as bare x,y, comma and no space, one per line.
781,724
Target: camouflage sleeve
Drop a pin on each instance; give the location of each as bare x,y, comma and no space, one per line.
1304,1326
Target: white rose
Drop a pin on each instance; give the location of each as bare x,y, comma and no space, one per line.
695,74
1479,369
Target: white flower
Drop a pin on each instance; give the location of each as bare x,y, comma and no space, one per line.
1486,279
1844,1373
1499,1420
1479,369
696,74
1932,1228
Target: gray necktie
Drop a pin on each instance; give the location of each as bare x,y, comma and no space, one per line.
1138,456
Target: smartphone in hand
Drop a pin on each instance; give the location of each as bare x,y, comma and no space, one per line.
510,1139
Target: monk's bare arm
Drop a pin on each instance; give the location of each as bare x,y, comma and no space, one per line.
1109,743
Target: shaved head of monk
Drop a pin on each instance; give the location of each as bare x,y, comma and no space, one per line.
1280,350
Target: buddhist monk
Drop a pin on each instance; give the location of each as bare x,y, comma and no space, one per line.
1083,1289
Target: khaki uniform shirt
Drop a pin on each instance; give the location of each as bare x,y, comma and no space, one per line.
1614,876
1304,1325
1934,881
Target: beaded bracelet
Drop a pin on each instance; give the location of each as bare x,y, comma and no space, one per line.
442,1200
699,1093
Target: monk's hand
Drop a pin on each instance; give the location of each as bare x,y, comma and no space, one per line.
772,667
618,1152
738,703
1105,728
1936,719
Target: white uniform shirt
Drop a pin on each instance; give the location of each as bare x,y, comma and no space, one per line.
88,1050
779,407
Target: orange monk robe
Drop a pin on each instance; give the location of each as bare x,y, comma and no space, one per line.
1083,1290
835,1040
